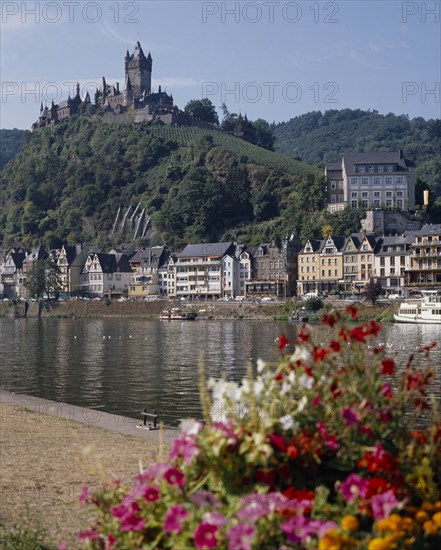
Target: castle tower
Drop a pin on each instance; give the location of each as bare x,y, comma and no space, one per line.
138,68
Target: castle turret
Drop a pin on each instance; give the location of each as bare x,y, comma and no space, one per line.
139,68
128,92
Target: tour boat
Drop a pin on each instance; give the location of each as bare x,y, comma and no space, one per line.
425,310
176,314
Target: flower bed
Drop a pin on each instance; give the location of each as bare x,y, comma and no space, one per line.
326,450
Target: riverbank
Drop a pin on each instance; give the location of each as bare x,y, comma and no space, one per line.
80,309
49,450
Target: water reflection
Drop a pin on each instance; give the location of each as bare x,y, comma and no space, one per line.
122,366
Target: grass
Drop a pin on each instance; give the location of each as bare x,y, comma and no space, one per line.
20,537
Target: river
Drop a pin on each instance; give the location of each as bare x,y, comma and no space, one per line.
123,366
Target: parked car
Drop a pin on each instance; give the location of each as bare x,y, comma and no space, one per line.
224,299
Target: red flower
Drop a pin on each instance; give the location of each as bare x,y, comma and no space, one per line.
278,442
283,341
335,346
298,494
352,311
378,485
330,320
388,366
319,353
304,336
292,451
358,334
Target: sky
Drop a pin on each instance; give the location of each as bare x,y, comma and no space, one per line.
267,59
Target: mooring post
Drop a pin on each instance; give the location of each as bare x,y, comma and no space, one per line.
145,418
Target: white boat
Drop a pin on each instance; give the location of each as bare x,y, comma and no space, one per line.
425,310
176,314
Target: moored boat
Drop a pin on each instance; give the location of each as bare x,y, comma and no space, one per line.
426,310
176,314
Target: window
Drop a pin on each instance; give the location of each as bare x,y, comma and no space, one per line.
341,198
364,203
388,202
371,169
333,199
390,168
354,204
354,194
399,193
377,194
365,194
399,180
364,181
333,185
354,181
340,185
400,203
377,180
362,169
388,193
388,180
381,169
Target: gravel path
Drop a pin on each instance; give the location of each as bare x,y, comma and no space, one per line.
49,450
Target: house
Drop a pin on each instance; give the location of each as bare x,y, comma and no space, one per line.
237,269
309,267
371,180
198,271
106,274
331,264
150,273
10,273
392,260
71,261
425,258
275,269
31,258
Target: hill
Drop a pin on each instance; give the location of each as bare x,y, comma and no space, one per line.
68,182
319,138
11,142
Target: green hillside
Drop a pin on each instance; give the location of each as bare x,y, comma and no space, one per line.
68,182
11,142
318,138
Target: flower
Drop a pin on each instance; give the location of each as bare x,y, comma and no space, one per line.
350,523
173,476
205,536
379,544
283,341
151,494
240,537
174,519
353,487
84,496
388,366
351,416
383,504
185,448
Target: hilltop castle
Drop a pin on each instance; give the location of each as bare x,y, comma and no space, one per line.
135,103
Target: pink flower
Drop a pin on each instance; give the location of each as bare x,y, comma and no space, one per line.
383,504
205,536
299,528
84,494
173,476
203,499
253,511
351,416
353,486
185,448
150,493
214,518
174,519
386,390
89,534
127,514
239,537
329,439
62,546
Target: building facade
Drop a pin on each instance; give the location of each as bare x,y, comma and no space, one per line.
371,180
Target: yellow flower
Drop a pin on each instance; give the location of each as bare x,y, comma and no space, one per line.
438,505
350,523
436,518
408,524
395,521
421,516
428,506
379,544
430,528
408,543
331,541
383,525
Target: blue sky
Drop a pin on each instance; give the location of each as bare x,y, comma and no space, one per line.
271,59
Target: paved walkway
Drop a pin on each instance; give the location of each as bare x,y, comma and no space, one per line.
91,417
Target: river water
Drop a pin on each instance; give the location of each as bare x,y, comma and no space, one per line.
123,366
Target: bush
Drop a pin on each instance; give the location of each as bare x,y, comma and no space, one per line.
333,448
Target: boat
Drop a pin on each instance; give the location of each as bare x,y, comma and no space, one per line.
425,310
176,314
298,317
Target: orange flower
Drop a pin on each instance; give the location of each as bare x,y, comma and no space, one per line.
350,523
421,516
379,544
430,528
436,518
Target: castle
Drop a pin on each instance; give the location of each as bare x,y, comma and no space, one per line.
135,103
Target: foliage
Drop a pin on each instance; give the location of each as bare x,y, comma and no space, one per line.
372,290
202,109
11,142
43,277
319,138
313,304
69,181
24,538
312,453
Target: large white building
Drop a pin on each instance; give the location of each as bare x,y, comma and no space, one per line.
371,180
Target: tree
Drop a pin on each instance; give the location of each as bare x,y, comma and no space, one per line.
327,230
373,290
264,136
202,109
43,277
229,120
